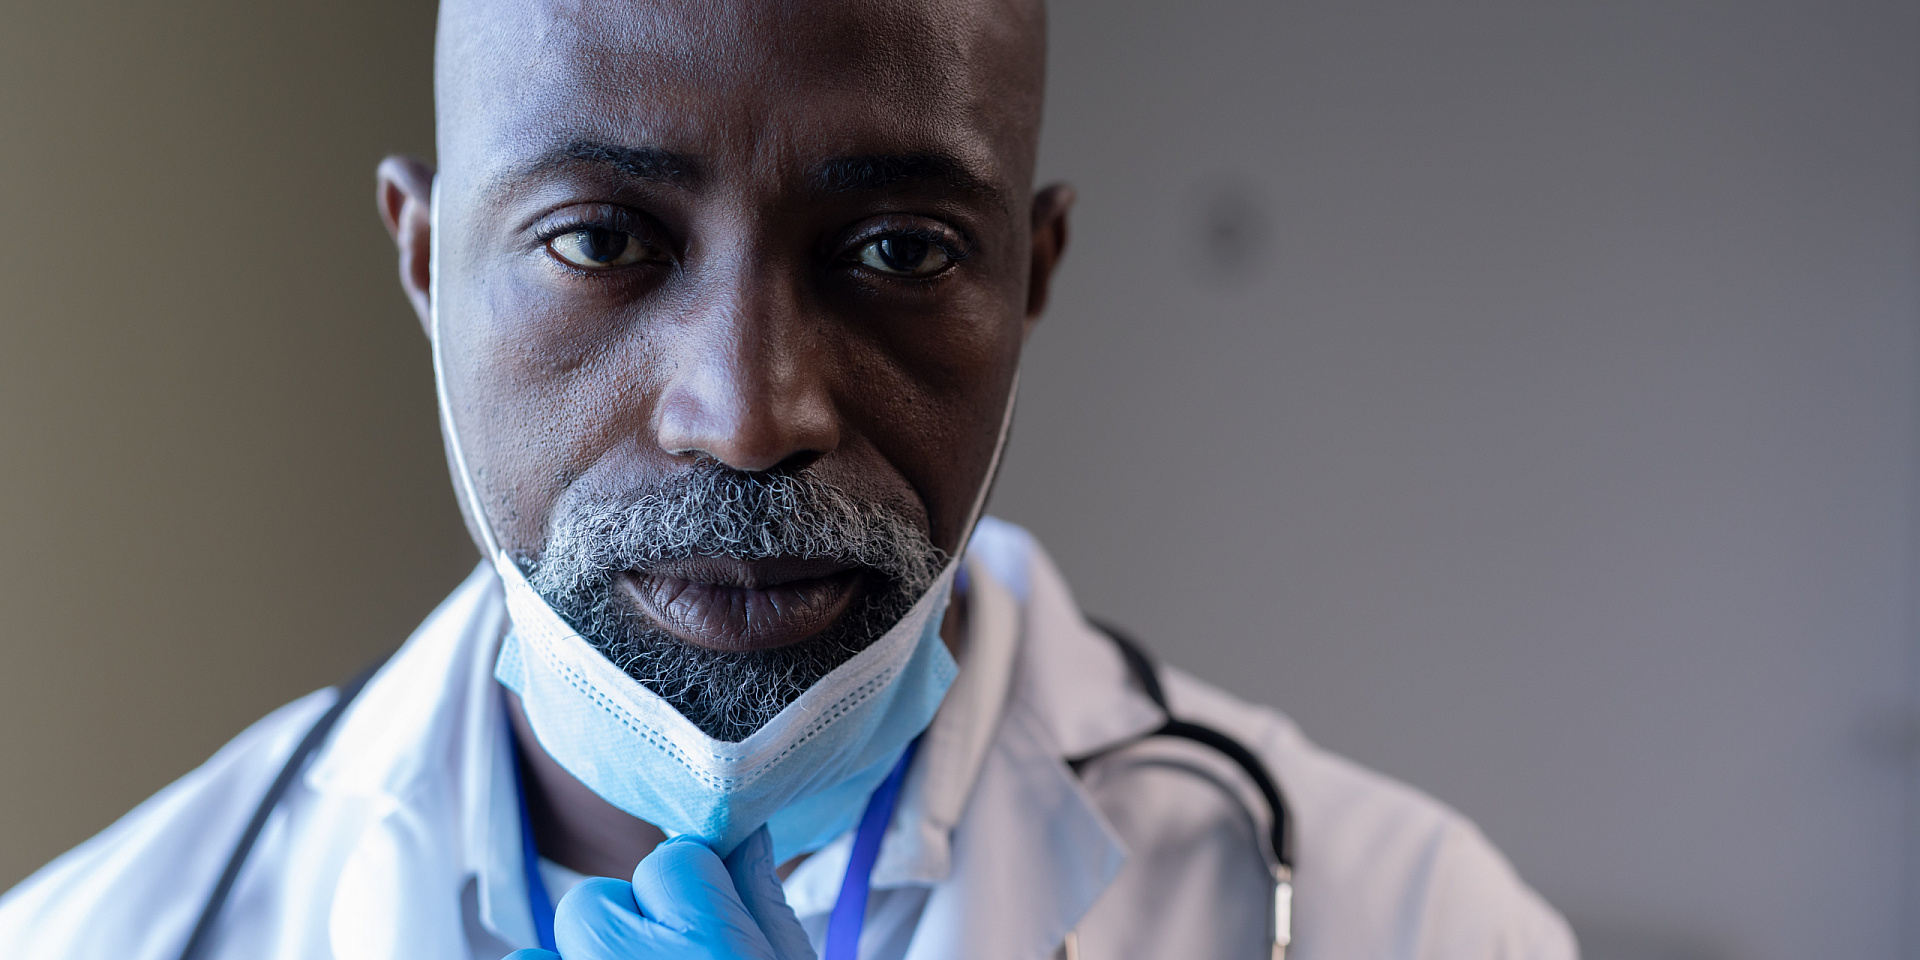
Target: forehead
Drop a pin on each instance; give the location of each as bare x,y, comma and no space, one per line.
740,86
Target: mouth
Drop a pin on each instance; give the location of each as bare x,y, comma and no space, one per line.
739,605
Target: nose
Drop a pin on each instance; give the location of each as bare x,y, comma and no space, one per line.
751,384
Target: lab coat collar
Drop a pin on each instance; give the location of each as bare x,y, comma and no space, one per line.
1004,830
1076,683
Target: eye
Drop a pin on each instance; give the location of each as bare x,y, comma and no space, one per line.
904,256
599,248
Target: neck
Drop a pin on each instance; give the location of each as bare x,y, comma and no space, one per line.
573,827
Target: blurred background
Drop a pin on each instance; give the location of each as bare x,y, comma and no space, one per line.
1520,395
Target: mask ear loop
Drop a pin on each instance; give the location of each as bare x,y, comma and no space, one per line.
452,429
993,469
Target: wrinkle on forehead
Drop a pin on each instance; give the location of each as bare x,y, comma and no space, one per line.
504,67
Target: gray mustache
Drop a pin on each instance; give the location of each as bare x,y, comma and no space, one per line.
714,511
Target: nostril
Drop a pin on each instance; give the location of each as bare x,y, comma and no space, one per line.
798,461
745,460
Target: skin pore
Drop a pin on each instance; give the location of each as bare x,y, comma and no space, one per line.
782,236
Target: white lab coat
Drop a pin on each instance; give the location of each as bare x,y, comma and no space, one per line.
401,841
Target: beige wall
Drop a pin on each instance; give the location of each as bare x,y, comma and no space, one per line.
220,479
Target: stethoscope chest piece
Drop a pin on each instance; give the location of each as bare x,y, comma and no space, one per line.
1282,912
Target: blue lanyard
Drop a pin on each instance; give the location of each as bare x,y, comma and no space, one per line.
849,911
537,896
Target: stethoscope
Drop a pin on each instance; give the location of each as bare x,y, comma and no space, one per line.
849,910
1277,850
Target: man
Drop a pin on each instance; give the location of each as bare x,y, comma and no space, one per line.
727,300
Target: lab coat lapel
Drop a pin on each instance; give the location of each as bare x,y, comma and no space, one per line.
1032,853
1029,857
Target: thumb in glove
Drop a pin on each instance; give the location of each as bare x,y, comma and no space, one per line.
752,868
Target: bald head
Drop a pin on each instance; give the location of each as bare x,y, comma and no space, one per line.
740,70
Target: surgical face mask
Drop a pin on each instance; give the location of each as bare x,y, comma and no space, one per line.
804,774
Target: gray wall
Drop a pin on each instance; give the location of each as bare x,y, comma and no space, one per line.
1521,396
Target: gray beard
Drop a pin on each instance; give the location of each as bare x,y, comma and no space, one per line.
714,511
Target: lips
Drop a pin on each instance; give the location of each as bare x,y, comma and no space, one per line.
740,605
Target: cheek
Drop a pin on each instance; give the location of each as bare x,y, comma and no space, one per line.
538,332
954,461
934,407
543,395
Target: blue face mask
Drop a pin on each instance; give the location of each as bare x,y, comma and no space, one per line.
805,774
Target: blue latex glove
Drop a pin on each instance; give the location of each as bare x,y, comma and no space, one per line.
684,903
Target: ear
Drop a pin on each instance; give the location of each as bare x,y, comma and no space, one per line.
405,196
1050,208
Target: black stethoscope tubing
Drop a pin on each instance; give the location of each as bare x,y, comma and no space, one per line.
1147,674
316,735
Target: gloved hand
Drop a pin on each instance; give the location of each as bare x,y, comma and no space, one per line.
684,904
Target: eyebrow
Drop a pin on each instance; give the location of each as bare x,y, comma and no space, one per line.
882,171
639,163
856,174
